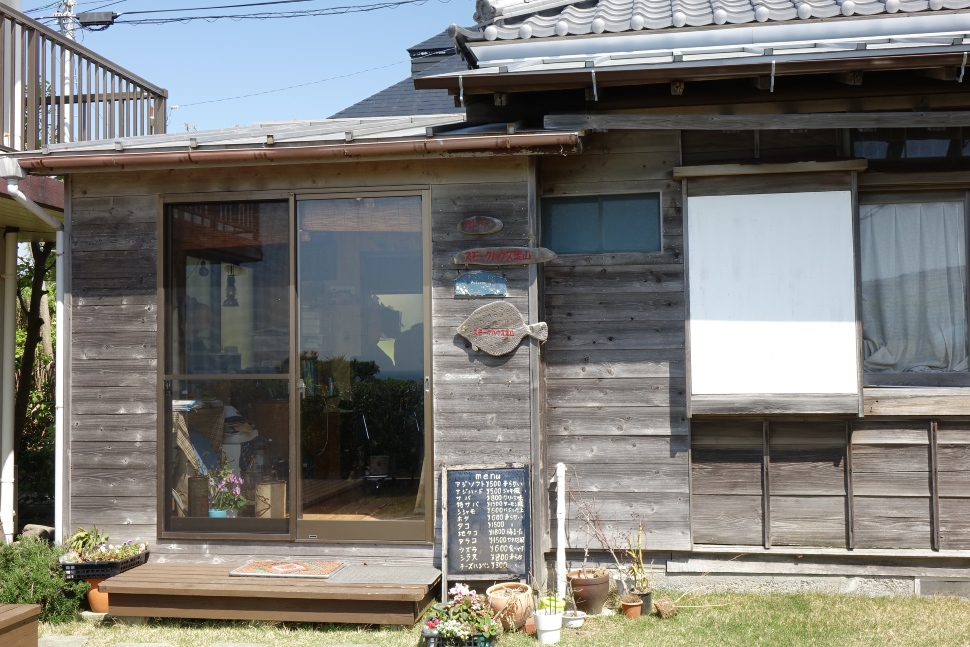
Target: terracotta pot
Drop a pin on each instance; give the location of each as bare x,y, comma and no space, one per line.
632,609
589,592
97,600
519,596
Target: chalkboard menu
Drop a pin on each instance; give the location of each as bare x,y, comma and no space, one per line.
488,522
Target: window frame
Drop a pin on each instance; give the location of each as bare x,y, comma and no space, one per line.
877,197
379,533
622,257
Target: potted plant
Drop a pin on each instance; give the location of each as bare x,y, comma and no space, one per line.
548,618
511,602
640,572
225,490
466,620
91,558
572,618
590,587
632,605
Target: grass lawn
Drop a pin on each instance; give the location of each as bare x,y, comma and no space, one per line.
742,620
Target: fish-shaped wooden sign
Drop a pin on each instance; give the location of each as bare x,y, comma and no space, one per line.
504,256
498,328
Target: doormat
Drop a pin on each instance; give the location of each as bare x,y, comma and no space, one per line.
321,570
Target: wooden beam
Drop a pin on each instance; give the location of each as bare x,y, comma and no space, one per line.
765,483
941,73
761,82
713,170
849,507
848,78
774,403
934,489
815,121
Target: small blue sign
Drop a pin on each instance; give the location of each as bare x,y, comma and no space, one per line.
481,284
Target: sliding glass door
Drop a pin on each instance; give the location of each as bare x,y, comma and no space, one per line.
363,313
296,388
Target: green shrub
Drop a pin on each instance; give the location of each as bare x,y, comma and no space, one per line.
31,574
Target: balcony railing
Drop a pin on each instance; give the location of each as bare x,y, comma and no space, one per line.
53,90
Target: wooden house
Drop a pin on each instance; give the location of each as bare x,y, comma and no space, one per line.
757,315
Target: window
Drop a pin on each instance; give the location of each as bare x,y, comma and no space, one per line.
602,224
914,290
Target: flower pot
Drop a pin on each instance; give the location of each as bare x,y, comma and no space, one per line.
97,600
552,603
632,609
548,626
512,603
647,597
589,592
573,619
218,514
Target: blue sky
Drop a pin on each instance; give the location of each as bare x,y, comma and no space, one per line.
205,61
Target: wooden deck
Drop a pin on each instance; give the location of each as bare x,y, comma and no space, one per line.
208,591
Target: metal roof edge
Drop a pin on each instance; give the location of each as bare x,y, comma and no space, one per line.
514,144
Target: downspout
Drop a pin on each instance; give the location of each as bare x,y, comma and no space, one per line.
8,505
13,176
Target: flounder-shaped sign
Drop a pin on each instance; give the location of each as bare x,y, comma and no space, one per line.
498,328
504,256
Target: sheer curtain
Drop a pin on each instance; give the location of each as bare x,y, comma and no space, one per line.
914,315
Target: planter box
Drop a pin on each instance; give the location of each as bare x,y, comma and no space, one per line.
92,570
433,640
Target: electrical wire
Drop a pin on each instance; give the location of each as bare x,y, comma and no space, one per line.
226,6
290,87
305,13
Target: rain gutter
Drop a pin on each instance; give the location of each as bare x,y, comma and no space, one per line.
529,143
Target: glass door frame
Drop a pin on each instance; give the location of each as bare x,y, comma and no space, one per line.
360,532
325,531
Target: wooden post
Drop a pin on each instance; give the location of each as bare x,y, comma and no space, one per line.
765,482
934,489
444,532
849,508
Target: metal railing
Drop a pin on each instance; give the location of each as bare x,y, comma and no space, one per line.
53,90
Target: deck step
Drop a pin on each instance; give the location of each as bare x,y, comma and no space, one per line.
358,594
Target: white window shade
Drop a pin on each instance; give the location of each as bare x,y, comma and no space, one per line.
772,294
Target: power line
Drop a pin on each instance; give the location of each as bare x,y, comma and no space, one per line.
291,87
330,11
227,6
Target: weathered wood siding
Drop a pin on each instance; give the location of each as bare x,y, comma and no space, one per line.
481,404
863,484
614,365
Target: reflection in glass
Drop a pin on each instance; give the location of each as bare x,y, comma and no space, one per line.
238,427
228,291
361,358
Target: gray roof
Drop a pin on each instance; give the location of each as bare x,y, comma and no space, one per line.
435,43
523,19
402,99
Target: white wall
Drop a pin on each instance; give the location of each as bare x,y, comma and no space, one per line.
772,294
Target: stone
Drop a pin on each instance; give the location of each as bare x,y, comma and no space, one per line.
92,617
62,641
41,532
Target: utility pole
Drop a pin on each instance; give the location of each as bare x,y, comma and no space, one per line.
65,17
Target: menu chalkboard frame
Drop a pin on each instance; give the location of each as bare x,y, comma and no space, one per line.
448,530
